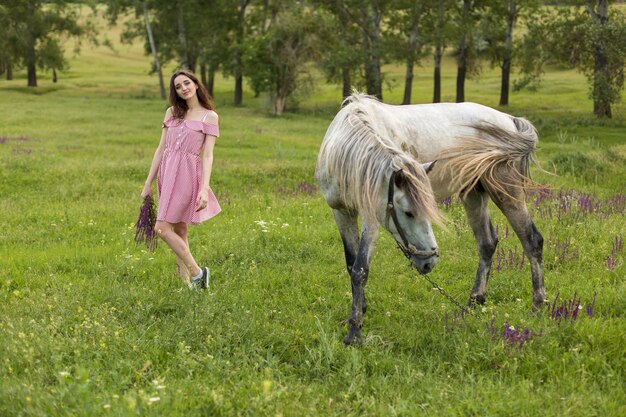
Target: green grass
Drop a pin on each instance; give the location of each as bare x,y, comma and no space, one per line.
92,325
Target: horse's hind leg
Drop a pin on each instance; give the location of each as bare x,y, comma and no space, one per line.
514,208
475,203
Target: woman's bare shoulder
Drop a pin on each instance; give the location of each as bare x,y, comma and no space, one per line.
211,117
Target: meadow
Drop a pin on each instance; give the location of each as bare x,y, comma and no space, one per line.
91,324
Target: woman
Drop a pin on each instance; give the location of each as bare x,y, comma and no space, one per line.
182,165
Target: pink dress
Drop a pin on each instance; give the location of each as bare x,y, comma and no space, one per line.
180,174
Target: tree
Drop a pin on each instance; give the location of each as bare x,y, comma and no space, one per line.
8,53
467,15
498,27
281,53
34,30
371,15
238,49
407,40
439,38
134,29
181,30
589,37
341,60
607,42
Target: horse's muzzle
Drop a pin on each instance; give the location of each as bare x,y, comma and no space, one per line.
425,264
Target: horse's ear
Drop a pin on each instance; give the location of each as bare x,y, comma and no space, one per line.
428,166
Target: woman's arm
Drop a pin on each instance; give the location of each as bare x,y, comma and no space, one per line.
207,166
156,161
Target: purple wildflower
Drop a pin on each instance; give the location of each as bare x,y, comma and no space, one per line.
145,232
569,309
513,336
618,246
491,327
592,305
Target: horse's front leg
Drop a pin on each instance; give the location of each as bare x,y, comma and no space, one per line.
349,231
358,278
476,208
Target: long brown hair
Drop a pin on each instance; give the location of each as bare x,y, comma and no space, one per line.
179,105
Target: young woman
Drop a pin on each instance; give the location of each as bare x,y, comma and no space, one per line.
182,165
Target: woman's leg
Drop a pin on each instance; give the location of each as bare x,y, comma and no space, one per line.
183,272
180,247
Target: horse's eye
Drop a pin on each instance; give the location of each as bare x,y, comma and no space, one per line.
408,214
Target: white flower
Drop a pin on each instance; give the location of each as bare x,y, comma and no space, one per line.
154,399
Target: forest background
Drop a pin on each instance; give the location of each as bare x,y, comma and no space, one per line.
91,324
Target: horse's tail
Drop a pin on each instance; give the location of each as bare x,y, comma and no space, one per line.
499,158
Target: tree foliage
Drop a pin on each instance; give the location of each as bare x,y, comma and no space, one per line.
34,31
587,36
277,57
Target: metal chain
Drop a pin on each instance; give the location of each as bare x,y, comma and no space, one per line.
443,292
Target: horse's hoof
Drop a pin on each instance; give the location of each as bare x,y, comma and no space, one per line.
476,299
538,305
353,337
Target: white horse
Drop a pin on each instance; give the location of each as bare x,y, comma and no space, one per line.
370,165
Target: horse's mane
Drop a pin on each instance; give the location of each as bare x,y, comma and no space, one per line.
359,158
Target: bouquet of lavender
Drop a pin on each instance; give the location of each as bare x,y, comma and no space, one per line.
145,232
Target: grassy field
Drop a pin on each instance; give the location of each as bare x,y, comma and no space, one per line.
92,325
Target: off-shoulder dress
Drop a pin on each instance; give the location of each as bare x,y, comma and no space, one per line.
179,179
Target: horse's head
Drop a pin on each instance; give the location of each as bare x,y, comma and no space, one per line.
409,213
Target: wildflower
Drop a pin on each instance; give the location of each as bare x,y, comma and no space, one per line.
154,399
145,224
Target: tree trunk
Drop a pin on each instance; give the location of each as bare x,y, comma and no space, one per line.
9,71
346,82
211,80
157,63
371,40
463,52
54,75
437,76
438,52
30,59
504,86
346,77
32,74
238,89
413,48
278,105
408,81
182,38
238,99
601,104
460,82
203,72
508,53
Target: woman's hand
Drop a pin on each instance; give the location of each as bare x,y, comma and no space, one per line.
147,191
203,200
